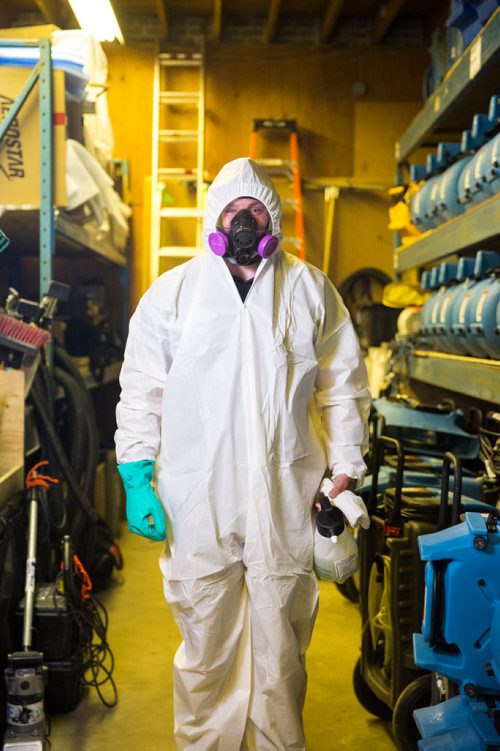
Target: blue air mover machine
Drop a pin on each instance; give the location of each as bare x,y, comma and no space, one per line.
427,431
422,471
430,282
447,278
449,205
485,263
472,189
491,174
421,208
484,269
391,582
464,19
427,688
460,638
449,313
483,317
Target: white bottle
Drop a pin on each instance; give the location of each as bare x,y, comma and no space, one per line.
335,548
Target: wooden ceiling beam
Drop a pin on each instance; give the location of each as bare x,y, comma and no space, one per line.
217,24
386,15
162,13
272,21
50,11
330,17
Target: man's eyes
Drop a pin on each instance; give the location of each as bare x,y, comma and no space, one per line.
253,209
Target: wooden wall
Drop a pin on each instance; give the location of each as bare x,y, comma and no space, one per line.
130,101
345,130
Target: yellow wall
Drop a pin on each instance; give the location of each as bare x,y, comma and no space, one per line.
340,135
130,100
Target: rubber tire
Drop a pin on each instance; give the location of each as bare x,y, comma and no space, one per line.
349,590
366,697
416,695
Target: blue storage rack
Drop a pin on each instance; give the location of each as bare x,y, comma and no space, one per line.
41,74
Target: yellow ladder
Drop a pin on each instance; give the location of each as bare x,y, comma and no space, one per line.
283,168
177,190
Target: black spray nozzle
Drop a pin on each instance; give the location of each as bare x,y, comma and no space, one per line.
330,520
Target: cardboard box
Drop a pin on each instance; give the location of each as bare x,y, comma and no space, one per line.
11,434
20,148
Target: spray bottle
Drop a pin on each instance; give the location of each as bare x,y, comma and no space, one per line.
335,548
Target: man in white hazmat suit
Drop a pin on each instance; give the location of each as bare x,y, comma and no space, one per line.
241,404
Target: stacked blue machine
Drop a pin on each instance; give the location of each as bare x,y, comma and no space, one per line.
465,20
464,23
462,314
459,176
460,638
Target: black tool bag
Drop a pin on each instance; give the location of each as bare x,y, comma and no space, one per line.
12,568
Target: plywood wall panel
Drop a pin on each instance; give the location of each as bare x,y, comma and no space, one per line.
130,100
341,134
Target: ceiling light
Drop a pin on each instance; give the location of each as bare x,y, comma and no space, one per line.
97,18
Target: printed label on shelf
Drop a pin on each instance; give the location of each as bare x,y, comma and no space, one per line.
475,58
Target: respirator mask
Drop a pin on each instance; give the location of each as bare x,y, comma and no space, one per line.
244,243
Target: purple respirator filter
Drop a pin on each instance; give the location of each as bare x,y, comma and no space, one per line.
219,244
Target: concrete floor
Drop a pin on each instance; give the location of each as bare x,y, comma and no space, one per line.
143,639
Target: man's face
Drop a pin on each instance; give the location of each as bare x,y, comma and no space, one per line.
256,208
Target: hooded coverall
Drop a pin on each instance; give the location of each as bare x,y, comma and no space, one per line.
243,406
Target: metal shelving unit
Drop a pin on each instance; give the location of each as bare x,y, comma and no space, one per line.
465,90
470,376
480,226
47,229
41,74
84,238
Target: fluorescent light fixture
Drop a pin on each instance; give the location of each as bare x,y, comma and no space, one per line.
97,18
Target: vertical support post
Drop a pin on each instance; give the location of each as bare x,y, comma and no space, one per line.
47,236
200,157
331,195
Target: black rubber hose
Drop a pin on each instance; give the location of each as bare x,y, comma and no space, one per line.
78,493
81,428
92,450
74,423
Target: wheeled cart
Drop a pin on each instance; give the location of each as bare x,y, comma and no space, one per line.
392,590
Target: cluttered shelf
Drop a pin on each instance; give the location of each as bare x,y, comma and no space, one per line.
475,377
22,228
87,236
477,227
451,106
80,176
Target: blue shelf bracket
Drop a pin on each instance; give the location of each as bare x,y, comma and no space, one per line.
47,233
41,74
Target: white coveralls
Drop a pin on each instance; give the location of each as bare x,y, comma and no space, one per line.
243,406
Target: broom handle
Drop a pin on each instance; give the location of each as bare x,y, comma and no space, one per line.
29,587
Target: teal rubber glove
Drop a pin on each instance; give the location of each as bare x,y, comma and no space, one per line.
144,511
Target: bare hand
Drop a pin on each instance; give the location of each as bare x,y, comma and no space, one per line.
341,483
